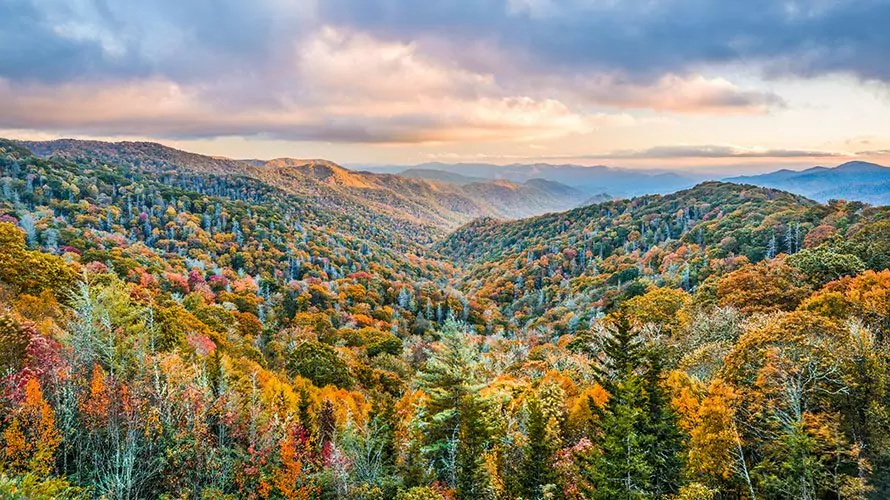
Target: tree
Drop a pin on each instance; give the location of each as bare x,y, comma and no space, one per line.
453,422
665,308
666,455
545,421
34,488
421,493
865,369
822,264
765,287
31,438
319,363
292,479
31,271
538,453
786,373
639,445
14,340
713,441
620,467
364,446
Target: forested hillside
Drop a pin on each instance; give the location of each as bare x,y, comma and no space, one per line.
176,326
570,267
418,209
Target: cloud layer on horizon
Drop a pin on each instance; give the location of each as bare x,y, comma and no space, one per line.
401,71
714,152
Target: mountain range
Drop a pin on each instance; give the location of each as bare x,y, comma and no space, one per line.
852,181
855,180
410,205
268,329
617,182
426,202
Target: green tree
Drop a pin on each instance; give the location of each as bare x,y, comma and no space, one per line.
639,446
822,265
537,469
453,416
319,363
666,455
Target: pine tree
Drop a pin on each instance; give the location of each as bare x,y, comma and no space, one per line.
473,437
622,352
639,445
454,425
538,452
620,468
666,456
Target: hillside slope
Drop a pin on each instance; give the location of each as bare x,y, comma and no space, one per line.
538,270
418,209
229,339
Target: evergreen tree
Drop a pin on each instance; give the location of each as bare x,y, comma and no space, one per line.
538,452
639,446
620,468
473,438
454,425
622,352
666,457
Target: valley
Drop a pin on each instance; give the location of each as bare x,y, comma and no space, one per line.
180,325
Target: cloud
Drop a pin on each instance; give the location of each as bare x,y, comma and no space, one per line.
876,152
352,88
713,151
65,40
693,94
405,71
645,39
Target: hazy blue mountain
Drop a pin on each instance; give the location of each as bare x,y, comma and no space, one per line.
597,199
855,180
618,182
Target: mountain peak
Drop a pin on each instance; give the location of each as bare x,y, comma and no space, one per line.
860,166
853,181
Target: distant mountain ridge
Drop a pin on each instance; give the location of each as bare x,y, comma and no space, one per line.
440,175
425,209
852,181
619,182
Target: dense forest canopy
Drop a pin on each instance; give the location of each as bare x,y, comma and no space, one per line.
174,328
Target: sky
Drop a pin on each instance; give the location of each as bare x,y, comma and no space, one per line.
710,85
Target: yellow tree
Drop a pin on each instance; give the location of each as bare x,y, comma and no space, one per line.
785,372
31,439
665,308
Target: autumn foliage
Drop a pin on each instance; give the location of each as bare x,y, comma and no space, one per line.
183,333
